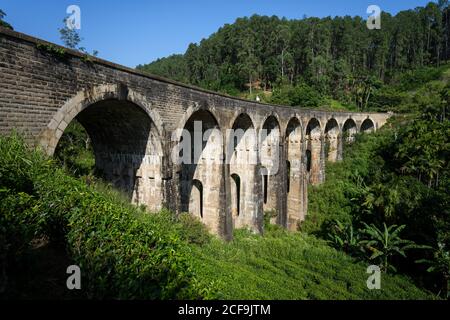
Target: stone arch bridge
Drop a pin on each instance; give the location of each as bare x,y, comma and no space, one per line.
132,119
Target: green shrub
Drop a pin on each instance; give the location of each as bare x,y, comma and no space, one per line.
74,151
126,253
122,254
286,265
301,95
192,230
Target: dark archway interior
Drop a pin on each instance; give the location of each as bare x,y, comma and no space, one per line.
367,126
331,142
308,160
293,152
349,125
292,127
197,196
288,176
188,170
313,144
236,195
122,135
349,130
331,127
313,128
244,123
270,125
270,154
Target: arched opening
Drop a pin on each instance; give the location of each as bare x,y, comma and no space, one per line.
235,195
294,173
349,131
201,149
331,140
308,161
196,199
126,146
288,176
265,181
270,160
314,145
243,163
367,126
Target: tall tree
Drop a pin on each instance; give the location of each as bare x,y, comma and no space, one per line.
2,22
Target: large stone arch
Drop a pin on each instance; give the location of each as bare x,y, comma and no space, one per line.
243,163
332,140
271,157
190,111
296,182
202,164
126,138
368,125
315,151
349,130
49,138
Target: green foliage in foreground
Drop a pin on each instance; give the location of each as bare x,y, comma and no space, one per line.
283,265
123,253
74,151
397,176
126,253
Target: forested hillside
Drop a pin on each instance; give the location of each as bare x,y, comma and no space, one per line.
320,59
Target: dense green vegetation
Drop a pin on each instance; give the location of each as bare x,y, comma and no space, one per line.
283,265
74,151
338,58
125,252
393,185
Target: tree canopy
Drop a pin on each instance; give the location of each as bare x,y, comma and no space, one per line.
338,57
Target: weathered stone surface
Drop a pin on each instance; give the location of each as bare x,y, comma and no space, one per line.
131,118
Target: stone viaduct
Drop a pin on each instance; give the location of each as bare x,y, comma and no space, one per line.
135,121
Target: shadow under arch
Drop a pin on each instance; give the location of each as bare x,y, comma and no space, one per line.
126,141
313,139
331,140
242,156
202,162
367,126
295,174
349,130
49,138
270,155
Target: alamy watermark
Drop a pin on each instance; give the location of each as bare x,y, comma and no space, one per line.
73,21
74,280
374,19
374,280
244,147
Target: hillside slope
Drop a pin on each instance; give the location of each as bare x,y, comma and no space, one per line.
127,253
291,266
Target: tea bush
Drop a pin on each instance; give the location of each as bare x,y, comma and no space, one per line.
126,253
121,254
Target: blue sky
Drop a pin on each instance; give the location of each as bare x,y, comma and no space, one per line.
135,31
